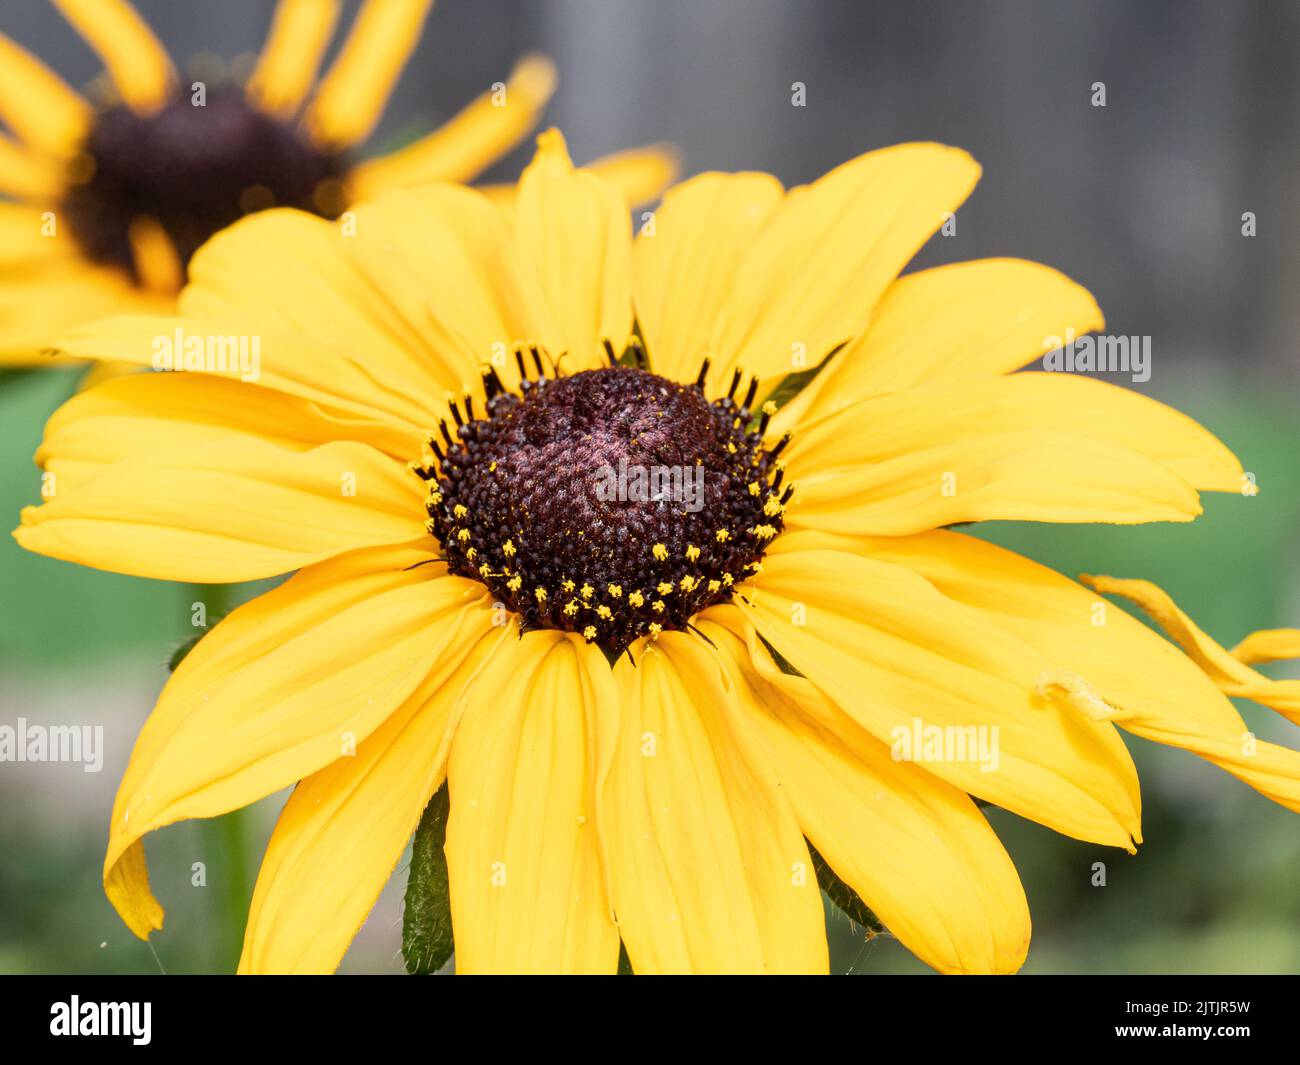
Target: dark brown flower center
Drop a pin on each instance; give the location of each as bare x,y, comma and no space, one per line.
613,503
195,170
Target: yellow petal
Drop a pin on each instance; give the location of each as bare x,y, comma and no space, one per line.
523,856
353,93
709,870
300,33
345,826
954,323
1232,674
133,56
470,142
28,175
876,430
37,104
893,651
1268,645
1162,694
640,174
573,233
138,415
915,849
282,687
157,263
1029,475
685,265
57,294
215,501
828,253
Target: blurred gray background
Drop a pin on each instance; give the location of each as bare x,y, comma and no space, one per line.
1141,201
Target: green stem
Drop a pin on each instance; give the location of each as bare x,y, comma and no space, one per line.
227,836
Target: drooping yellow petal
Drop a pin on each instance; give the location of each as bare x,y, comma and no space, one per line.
133,56
300,33
709,870
1146,685
345,826
827,254
1268,645
953,323
1232,674
907,422
686,262
38,105
28,175
523,853
915,849
892,652
1027,475
282,687
352,95
573,233
471,141
196,493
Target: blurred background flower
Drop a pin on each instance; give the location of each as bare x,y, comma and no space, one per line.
1147,201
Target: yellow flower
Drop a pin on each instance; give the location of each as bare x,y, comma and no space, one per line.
668,800
114,201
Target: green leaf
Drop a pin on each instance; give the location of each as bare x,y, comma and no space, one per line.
426,925
842,895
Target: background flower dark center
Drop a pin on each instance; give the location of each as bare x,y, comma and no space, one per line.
194,169
553,501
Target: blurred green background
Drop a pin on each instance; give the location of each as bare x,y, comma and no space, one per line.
1141,201
1213,889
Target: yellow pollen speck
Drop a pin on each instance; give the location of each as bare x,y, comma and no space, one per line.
692,552
660,552
509,548
586,591
769,407
541,594
764,532
471,553
615,590
753,488
430,527
603,611
689,583
515,583
568,585
728,579
463,535
772,507
665,587
589,632
655,628
435,498
715,585
492,468
731,449
636,598
722,536
485,570
571,607
657,606
460,510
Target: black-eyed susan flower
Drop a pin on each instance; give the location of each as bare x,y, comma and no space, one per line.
112,201
478,437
